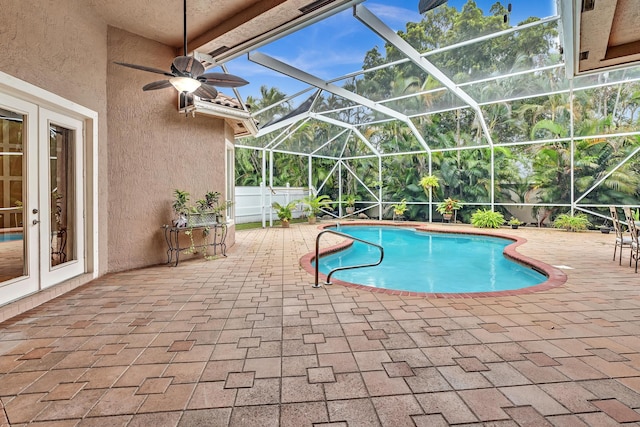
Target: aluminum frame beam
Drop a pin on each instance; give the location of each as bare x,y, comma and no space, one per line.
288,70
390,36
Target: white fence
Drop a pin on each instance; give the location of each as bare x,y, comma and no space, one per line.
253,204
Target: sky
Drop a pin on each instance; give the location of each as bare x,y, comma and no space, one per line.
337,45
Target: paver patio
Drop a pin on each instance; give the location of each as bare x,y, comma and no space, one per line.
246,341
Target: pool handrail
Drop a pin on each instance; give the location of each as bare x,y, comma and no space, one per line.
317,258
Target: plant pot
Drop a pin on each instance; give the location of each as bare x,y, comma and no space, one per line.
312,219
180,222
350,210
447,217
285,223
605,230
515,227
199,219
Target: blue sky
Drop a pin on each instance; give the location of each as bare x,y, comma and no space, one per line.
337,45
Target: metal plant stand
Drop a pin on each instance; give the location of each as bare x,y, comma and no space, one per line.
218,235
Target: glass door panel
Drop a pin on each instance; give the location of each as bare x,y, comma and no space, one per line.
18,194
61,198
41,198
12,246
61,194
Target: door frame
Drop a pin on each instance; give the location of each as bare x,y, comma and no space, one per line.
52,275
29,93
30,281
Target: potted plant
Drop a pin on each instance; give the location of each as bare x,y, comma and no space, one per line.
350,201
514,222
212,199
181,198
284,212
314,206
428,183
448,207
578,222
220,210
399,209
486,218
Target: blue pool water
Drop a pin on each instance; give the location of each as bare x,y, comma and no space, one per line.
8,237
429,262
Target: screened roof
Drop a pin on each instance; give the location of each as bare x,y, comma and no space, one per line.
456,79
425,80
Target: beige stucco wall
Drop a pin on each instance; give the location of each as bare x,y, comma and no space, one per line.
61,46
152,150
146,149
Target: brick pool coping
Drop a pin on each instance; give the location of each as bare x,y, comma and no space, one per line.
555,277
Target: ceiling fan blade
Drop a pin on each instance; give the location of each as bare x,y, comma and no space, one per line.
187,66
222,80
144,68
205,91
160,84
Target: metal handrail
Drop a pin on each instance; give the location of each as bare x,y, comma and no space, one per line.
317,258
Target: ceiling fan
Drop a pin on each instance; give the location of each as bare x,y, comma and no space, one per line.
187,74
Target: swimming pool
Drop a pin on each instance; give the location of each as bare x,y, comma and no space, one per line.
418,261
9,237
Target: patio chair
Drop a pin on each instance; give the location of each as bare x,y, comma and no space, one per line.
622,240
634,236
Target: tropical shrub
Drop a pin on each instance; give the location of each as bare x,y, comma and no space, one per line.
448,205
399,208
284,212
485,218
514,221
578,222
429,182
314,205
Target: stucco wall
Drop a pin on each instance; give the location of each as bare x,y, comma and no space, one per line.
152,151
61,46
65,48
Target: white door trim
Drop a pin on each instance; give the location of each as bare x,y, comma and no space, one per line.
29,93
54,275
30,282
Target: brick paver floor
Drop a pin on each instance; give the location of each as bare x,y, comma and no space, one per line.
246,341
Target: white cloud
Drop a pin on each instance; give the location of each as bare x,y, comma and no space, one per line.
394,16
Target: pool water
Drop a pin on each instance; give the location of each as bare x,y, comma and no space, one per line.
417,261
9,237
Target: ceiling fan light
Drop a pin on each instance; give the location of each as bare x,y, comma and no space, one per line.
185,84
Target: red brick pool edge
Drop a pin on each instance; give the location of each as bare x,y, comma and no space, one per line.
555,276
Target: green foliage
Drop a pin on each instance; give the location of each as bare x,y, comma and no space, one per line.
448,205
181,198
210,203
532,173
429,182
315,204
514,221
399,208
578,222
284,212
349,200
201,205
212,199
486,218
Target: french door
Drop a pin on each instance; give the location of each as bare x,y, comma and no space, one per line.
41,198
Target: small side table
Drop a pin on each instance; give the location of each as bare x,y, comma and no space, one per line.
218,235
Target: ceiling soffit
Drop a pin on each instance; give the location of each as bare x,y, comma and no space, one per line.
609,34
219,28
